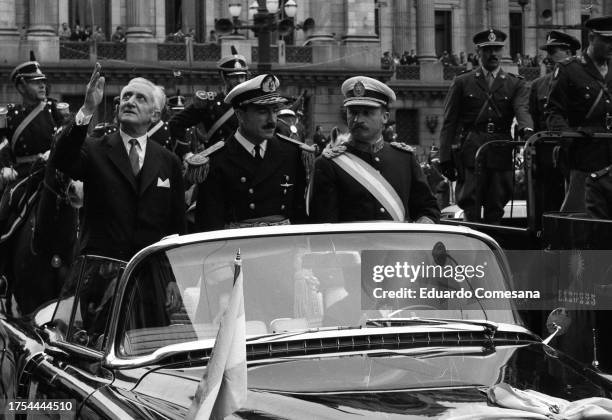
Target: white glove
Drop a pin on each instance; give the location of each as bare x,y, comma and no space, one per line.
8,175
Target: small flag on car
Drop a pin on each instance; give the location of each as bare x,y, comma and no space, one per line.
223,388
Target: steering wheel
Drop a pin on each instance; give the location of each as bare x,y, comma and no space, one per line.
411,307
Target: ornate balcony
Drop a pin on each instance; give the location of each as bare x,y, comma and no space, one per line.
273,54
295,54
74,50
206,52
171,51
408,72
111,50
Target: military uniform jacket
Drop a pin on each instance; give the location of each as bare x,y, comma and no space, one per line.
122,213
538,97
466,98
35,138
239,188
573,96
338,197
206,112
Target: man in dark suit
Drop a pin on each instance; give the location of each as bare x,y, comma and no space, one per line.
133,187
254,178
366,178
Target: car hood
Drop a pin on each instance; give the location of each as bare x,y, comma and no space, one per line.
440,382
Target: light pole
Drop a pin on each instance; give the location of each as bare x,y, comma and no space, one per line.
265,22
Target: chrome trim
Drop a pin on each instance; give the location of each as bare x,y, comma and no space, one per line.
113,359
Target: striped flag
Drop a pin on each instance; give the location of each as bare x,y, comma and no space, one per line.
223,388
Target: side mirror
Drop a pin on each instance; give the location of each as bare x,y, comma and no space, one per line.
557,323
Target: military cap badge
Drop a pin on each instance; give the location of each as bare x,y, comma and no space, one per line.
359,89
269,85
492,36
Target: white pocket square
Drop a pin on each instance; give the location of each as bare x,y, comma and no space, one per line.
163,183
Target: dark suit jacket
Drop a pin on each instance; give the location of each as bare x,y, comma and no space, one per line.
238,188
122,213
338,197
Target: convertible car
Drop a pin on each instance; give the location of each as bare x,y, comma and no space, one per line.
332,330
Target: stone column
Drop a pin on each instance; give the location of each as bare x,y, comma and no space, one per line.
43,18
321,13
9,35
385,29
160,21
141,45
500,20
474,22
139,25
42,36
426,31
361,47
531,41
458,37
401,29
572,16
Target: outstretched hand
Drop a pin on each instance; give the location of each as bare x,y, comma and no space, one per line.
94,92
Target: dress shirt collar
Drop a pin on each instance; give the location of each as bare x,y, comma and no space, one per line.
142,140
250,146
494,72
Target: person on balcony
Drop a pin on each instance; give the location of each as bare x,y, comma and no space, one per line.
118,35
99,35
64,32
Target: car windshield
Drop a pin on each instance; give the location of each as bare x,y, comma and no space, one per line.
295,283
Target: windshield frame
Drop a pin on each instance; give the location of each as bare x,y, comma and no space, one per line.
114,358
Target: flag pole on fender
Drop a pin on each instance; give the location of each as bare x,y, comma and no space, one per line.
223,387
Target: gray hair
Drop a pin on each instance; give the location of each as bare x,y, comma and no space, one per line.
159,95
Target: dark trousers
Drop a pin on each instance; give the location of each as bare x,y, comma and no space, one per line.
493,190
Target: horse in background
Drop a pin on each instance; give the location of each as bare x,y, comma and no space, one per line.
43,245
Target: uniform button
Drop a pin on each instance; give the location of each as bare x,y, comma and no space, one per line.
607,101
252,206
377,159
382,209
490,109
250,190
283,207
243,180
285,191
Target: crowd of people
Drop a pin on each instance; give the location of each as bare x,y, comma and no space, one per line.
83,33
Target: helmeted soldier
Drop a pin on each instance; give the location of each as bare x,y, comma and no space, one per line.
479,108
26,134
363,177
209,108
254,178
580,99
552,164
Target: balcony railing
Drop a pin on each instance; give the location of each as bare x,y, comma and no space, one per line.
294,54
206,52
74,50
408,72
172,51
111,50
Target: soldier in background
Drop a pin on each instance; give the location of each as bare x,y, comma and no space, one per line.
580,99
551,161
26,135
559,47
209,109
479,108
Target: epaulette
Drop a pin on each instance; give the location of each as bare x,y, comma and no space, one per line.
199,163
403,146
307,152
337,143
601,173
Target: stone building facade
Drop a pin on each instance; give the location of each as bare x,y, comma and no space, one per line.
349,38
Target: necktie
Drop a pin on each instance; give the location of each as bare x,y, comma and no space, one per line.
257,153
134,156
490,79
